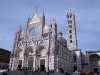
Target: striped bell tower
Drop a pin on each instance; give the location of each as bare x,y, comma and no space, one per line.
71,31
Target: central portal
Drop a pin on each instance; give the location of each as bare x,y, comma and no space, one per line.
95,69
19,64
42,64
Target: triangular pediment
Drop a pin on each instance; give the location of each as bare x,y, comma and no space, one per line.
34,18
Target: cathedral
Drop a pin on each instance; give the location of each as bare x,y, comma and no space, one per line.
40,46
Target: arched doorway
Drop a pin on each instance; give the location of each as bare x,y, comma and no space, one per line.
94,61
42,64
17,61
29,52
41,58
95,69
30,62
75,68
20,64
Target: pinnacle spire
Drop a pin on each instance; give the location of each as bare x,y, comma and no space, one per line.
36,9
20,27
43,12
28,19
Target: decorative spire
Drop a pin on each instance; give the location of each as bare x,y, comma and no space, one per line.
20,27
43,18
36,9
52,21
28,19
43,13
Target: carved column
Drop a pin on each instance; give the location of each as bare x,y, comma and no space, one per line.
35,62
47,62
15,63
12,68
25,61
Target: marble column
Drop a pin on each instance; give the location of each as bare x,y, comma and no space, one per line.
47,62
37,62
34,62
22,62
57,65
25,62
16,62
12,68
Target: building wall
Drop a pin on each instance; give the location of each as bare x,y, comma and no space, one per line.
94,60
75,60
84,57
4,58
63,53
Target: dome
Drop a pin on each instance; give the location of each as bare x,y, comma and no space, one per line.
60,38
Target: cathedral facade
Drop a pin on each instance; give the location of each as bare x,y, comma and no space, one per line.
39,46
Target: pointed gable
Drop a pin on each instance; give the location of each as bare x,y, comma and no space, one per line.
34,18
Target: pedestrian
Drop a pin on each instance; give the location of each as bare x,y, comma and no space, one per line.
47,73
66,73
44,69
4,73
26,70
8,69
96,74
32,69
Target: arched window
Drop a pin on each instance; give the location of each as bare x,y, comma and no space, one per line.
67,15
70,41
70,36
70,15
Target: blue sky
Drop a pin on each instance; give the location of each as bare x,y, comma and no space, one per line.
14,13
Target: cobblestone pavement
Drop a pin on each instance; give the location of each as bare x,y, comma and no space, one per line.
17,72
12,72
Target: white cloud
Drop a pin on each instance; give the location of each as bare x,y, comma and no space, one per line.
4,36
